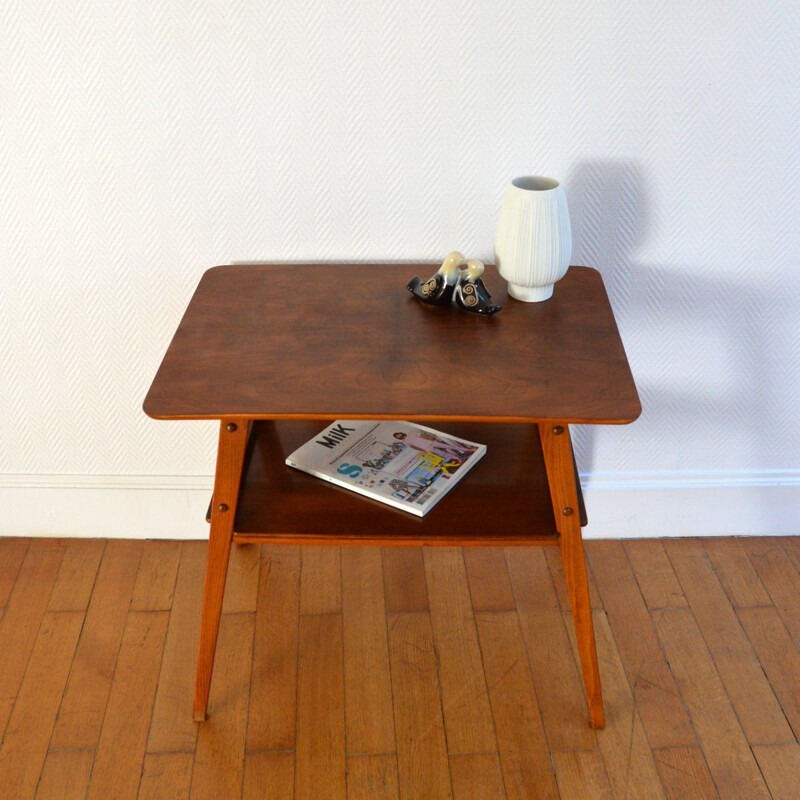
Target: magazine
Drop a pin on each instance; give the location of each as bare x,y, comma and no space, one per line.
408,466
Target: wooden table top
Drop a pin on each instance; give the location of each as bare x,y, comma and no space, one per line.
348,341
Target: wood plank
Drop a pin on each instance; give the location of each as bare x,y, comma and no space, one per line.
23,614
780,579
80,718
120,750
477,776
235,352
404,584
368,686
65,775
736,573
273,682
320,751
555,671
76,575
421,747
320,580
654,574
779,657
241,587
780,766
752,697
682,770
792,546
556,567
657,698
231,448
465,702
581,774
28,733
684,774
219,757
172,728
166,776
521,739
12,554
155,582
372,777
725,746
268,774
489,584
626,752
372,535
562,478
284,506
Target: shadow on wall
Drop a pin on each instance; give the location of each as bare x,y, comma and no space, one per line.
608,211
712,356
710,345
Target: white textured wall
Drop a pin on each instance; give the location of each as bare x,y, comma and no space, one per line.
141,142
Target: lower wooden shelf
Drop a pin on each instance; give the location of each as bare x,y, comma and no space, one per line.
503,500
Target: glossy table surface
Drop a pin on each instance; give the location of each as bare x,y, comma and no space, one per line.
348,341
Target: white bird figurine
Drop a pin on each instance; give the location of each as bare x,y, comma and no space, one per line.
471,294
438,290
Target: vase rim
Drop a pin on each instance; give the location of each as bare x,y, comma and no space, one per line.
535,183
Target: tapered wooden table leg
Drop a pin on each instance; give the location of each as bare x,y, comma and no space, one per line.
557,450
230,457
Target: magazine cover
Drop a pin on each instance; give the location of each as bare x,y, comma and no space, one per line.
408,466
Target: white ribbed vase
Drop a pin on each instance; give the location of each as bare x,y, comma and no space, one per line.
533,242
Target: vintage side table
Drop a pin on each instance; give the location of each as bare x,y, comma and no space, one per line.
274,352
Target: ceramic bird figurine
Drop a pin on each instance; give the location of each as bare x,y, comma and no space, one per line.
471,293
438,290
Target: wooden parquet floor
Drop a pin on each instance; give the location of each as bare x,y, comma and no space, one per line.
374,674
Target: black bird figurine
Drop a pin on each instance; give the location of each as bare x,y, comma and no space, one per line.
438,290
471,293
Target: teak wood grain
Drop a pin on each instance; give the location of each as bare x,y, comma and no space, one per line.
348,341
270,350
557,449
281,504
230,457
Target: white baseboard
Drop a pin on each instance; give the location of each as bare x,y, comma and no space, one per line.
631,505
621,505
106,506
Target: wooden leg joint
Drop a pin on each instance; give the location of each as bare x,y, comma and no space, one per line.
230,459
557,450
